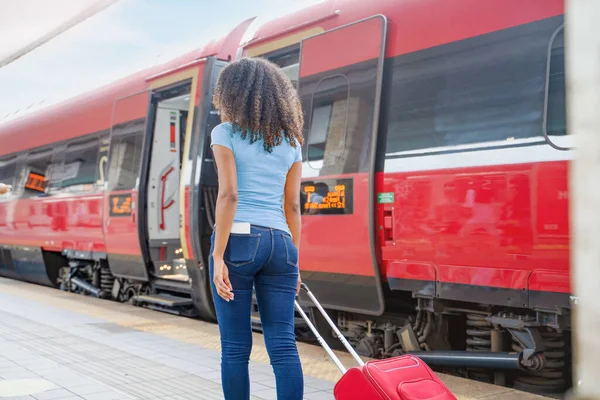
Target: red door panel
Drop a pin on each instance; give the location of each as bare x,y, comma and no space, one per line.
120,214
340,86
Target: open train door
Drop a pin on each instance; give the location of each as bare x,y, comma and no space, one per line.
122,235
340,88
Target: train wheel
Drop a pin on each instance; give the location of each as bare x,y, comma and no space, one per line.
553,379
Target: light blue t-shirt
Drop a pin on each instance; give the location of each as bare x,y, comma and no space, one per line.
261,176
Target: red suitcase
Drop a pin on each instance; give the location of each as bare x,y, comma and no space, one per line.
399,378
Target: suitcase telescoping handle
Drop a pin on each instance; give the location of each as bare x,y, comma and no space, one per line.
320,339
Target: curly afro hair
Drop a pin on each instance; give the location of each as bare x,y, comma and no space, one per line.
256,97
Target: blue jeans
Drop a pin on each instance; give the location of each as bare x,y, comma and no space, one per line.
268,260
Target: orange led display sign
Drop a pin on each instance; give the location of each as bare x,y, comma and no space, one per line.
332,199
36,182
120,205
327,197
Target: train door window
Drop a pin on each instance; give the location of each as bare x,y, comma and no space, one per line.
556,124
102,163
8,168
78,172
125,155
36,174
339,114
326,139
288,60
55,170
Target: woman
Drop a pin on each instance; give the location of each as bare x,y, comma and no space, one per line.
257,227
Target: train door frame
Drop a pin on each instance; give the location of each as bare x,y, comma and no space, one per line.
161,249
163,81
203,74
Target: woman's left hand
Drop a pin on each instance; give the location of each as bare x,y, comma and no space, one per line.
221,279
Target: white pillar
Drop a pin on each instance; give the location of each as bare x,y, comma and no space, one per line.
582,47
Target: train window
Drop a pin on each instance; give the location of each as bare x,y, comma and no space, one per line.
8,168
125,157
288,60
36,174
292,72
78,171
489,88
326,138
557,107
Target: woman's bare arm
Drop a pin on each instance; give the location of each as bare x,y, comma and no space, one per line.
227,198
292,202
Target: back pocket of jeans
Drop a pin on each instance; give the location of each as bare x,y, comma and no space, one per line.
241,249
290,250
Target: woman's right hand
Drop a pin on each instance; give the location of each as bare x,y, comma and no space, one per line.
299,285
221,279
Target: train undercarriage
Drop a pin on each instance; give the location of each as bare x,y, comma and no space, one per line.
507,347
527,350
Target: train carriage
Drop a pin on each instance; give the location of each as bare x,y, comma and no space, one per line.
435,199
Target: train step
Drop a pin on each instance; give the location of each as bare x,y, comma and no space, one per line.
166,303
299,323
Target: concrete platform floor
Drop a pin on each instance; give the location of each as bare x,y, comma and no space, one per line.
56,345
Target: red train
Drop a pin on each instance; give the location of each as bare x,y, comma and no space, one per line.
435,180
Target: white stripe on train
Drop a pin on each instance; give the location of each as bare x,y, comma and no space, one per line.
469,156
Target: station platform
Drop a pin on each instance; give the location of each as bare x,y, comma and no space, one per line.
59,346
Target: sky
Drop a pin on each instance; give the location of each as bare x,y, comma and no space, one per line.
125,37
